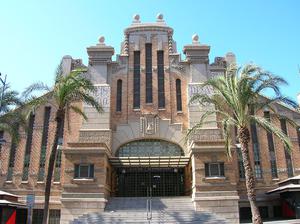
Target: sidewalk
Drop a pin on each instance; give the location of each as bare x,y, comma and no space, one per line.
290,221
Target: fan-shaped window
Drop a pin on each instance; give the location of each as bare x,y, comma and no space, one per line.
142,148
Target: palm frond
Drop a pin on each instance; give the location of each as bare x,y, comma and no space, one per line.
39,86
79,111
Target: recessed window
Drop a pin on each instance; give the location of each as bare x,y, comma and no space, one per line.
136,79
288,158
271,147
178,95
84,171
119,95
214,169
42,162
160,79
148,73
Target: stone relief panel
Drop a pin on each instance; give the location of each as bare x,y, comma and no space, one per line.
147,127
196,110
206,135
98,120
95,136
149,124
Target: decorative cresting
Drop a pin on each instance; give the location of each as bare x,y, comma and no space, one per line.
149,147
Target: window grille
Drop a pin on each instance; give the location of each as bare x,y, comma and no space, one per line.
12,156
160,79
241,164
288,158
214,169
271,148
41,173
136,80
256,152
28,149
57,171
85,171
148,73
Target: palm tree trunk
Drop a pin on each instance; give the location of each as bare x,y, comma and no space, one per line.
244,138
59,125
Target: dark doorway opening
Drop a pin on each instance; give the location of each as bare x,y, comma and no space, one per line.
136,182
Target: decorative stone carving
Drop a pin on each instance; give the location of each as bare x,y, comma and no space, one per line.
77,63
206,135
176,66
160,17
196,88
119,68
95,137
126,44
102,95
136,18
170,42
149,124
101,40
195,39
215,74
219,61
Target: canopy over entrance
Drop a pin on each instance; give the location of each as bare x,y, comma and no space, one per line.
163,161
150,153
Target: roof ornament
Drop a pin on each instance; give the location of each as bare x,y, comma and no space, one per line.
101,40
136,18
160,17
195,39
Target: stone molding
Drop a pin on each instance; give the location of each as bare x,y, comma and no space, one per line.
95,136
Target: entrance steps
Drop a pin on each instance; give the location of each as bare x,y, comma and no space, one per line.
165,210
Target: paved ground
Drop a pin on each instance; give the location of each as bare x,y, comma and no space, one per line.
291,221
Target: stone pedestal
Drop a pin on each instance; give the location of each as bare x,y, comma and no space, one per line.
222,203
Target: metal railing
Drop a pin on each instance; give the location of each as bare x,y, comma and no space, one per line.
149,204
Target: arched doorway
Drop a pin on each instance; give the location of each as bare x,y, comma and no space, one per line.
150,165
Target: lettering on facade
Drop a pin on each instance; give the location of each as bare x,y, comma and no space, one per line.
102,95
206,135
216,74
95,137
196,88
149,124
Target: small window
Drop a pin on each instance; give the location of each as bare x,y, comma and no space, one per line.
214,169
136,80
84,171
119,95
178,95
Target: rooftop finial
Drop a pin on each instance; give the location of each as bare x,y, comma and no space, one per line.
101,40
195,39
136,18
160,17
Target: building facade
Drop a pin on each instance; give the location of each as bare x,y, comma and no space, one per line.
138,142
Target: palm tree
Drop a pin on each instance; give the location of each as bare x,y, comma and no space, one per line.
67,90
237,97
10,118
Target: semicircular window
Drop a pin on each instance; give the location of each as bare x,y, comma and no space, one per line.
149,147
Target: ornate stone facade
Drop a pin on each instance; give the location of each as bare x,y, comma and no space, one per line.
97,140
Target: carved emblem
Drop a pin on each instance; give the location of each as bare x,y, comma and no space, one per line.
176,66
149,124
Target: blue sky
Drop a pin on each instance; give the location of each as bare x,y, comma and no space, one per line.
35,35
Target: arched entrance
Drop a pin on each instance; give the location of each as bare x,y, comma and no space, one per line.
150,164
